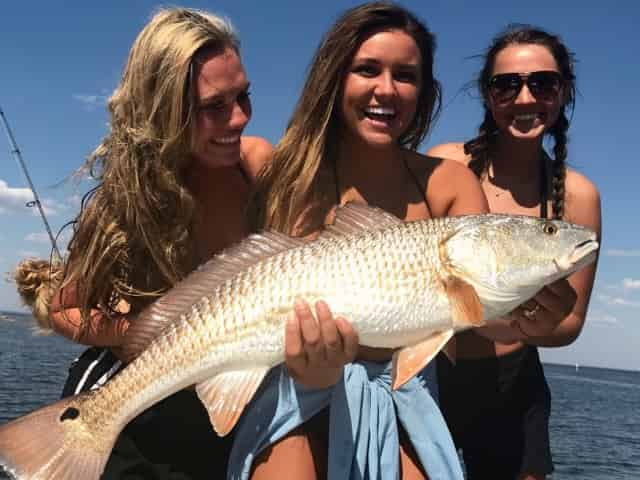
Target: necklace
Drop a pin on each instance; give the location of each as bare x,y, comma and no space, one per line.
510,185
498,193
500,188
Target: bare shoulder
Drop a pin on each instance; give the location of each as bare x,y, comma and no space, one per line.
580,186
255,152
453,151
582,200
451,187
450,169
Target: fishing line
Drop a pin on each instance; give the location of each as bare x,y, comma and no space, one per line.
36,200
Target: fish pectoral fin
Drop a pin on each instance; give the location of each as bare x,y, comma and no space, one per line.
466,308
408,361
226,395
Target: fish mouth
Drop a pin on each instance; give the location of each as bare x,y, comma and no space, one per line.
582,254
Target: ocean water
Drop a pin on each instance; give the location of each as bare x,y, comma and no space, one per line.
595,423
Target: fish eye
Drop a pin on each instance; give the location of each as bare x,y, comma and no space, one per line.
549,228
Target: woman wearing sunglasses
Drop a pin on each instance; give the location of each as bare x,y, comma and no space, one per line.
527,84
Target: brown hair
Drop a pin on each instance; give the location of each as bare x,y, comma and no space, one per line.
292,180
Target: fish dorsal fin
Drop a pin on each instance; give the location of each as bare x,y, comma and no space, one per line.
466,308
408,361
353,218
226,395
200,283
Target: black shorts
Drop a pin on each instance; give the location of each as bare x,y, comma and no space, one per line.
497,410
173,440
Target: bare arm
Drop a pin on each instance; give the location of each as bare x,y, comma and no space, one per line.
100,330
564,304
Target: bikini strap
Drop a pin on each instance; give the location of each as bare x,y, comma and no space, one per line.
544,184
335,182
419,186
413,176
244,174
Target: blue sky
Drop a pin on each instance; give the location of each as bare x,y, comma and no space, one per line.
59,63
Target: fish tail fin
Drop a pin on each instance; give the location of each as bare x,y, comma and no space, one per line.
53,443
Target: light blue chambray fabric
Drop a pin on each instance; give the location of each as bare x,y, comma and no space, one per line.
363,433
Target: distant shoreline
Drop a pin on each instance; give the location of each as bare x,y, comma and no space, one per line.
572,365
13,312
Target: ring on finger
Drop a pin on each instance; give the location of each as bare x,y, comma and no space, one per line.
530,314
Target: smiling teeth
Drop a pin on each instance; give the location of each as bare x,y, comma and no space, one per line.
380,111
525,117
227,140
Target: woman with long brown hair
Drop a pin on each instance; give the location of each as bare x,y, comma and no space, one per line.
528,86
368,102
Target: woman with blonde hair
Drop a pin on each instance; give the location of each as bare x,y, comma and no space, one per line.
527,84
173,178
368,102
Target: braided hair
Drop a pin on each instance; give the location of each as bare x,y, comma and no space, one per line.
481,146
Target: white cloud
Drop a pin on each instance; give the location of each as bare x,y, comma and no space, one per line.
631,284
623,287
612,252
28,254
618,301
42,238
51,207
90,102
75,201
597,316
39,237
13,200
16,200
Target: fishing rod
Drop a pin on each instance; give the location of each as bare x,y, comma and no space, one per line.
36,200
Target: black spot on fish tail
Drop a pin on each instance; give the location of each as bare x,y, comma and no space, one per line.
70,414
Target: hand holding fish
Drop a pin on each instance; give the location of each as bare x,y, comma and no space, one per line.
541,315
316,350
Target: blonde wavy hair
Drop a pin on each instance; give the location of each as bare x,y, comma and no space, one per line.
37,280
133,237
298,177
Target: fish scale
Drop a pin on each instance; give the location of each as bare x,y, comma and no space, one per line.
408,286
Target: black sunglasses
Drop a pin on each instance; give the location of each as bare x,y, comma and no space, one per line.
543,85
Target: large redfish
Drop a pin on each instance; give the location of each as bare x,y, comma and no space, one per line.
408,286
